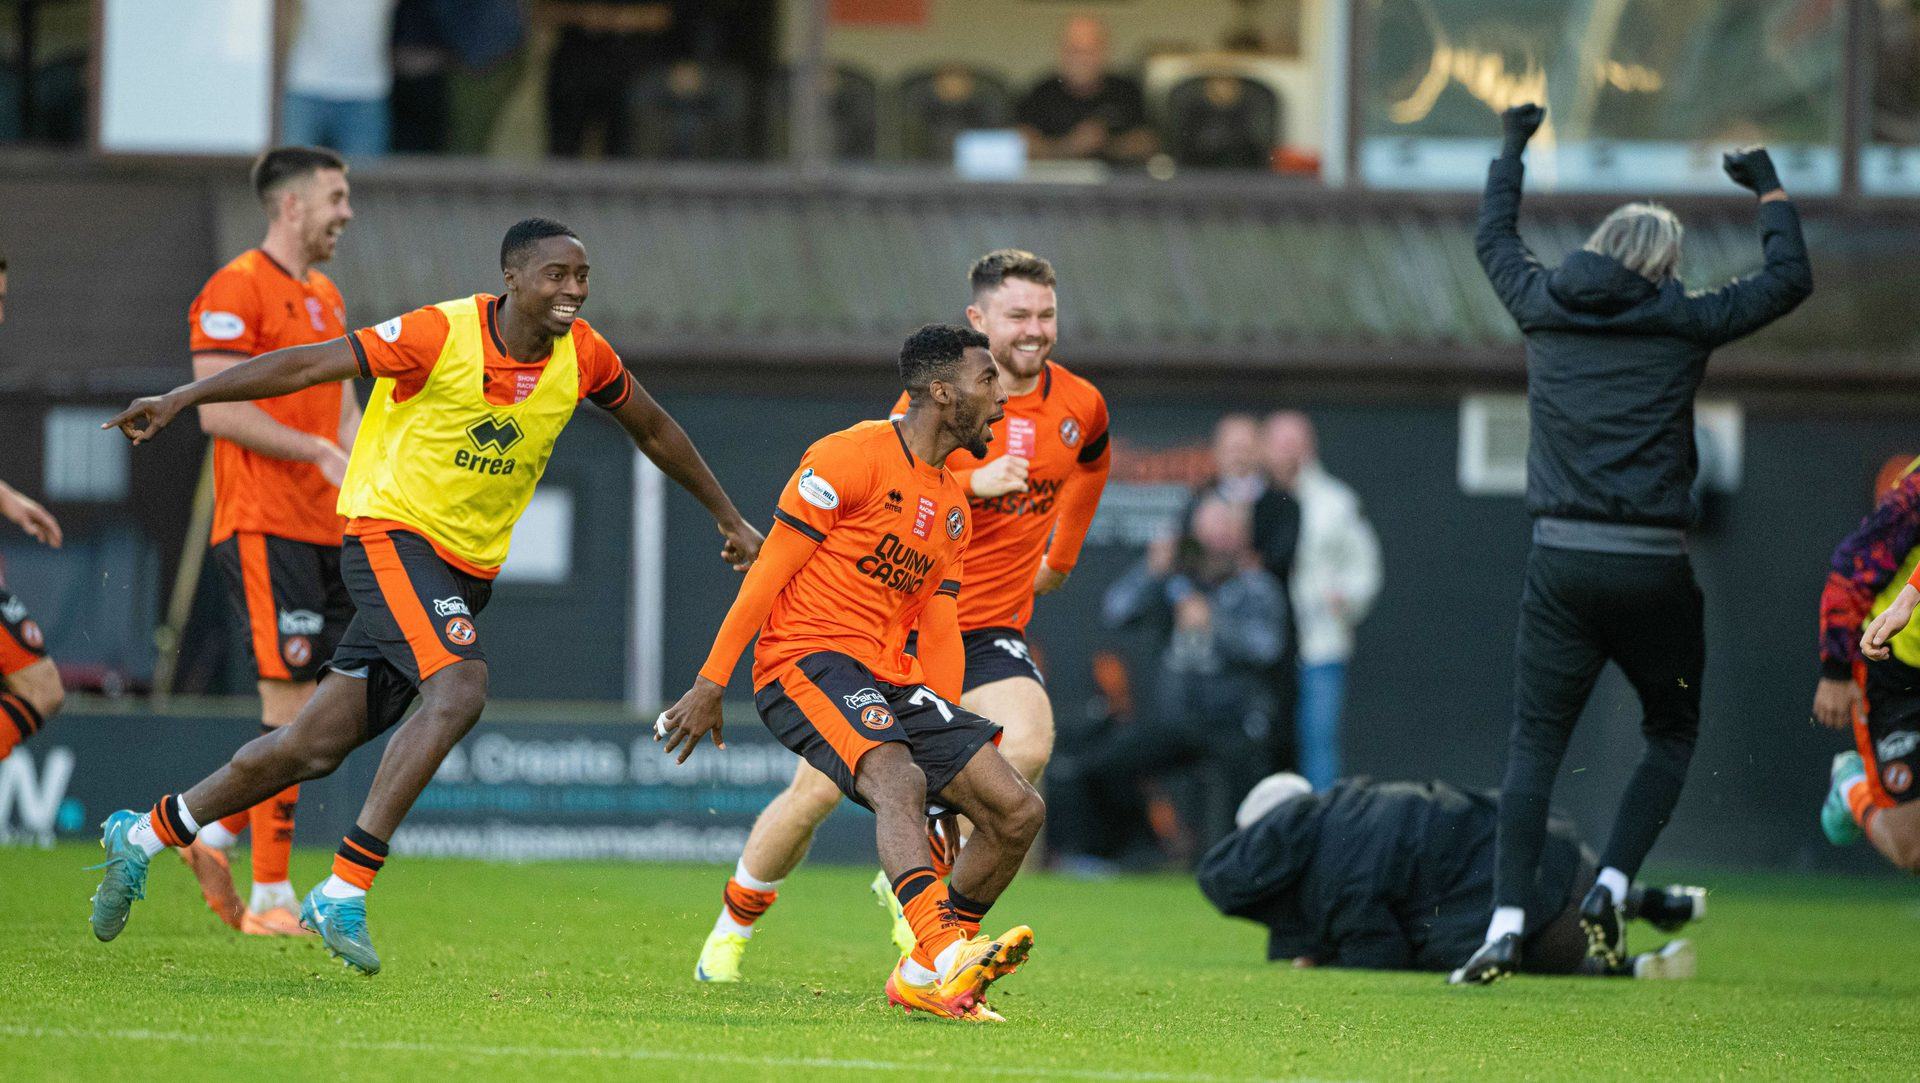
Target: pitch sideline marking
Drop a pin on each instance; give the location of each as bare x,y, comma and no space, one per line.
593,1053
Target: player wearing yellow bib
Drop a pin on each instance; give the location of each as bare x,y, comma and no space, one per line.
470,397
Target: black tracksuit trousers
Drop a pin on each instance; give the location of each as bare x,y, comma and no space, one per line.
1579,610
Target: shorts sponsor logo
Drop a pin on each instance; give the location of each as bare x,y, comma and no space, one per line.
923,518
956,522
222,326
297,650
451,607
1070,432
389,331
316,314
14,611
866,697
301,622
817,490
1897,777
30,635
876,718
460,632
1897,745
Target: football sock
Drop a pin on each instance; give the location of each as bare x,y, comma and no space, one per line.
19,720
359,857
271,896
966,912
218,835
744,899
1615,882
943,853
235,823
272,822
1506,919
923,896
168,824
1860,801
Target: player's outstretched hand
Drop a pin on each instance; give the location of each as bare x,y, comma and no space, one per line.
742,546
26,513
696,715
145,417
1007,474
1834,701
1873,642
1752,168
1517,125
1046,580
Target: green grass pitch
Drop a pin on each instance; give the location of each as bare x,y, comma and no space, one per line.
584,971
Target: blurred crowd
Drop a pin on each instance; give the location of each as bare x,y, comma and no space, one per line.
1247,609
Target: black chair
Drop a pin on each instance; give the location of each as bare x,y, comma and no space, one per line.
853,114
1223,122
933,107
690,111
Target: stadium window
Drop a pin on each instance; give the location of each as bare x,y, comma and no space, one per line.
79,465
543,541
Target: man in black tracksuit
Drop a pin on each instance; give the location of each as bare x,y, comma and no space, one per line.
1616,348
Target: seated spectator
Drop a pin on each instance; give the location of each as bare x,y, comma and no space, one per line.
1399,876
339,73
935,107
603,46
690,112
1085,111
1220,620
1223,122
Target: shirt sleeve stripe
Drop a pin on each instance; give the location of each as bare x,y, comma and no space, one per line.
1095,448
615,394
798,524
360,355
949,586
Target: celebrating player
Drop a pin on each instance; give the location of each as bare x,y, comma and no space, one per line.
1044,484
471,395
277,466
868,544
1871,684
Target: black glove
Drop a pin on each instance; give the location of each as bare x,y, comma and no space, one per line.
1752,169
1517,125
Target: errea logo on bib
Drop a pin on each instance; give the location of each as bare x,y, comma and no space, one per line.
817,491
389,331
222,326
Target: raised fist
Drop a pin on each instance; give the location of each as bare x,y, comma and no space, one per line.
1751,168
1518,124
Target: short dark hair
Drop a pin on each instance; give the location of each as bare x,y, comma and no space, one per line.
933,352
274,169
993,269
526,233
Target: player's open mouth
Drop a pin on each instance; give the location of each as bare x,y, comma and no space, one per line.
1030,349
566,312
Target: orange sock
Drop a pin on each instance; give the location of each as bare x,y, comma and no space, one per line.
744,904
966,913
924,897
360,856
235,823
1860,802
272,822
942,850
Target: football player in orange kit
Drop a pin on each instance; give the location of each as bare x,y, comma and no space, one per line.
869,541
277,466
1031,505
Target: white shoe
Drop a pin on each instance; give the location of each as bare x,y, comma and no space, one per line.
1673,962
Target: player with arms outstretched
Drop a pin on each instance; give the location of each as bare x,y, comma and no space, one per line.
471,395
277,466
869,543
1031,506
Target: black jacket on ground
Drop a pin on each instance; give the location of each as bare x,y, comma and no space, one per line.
1387,876
1613,361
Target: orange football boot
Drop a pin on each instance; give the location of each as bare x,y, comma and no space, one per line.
278,921
960,995
216,881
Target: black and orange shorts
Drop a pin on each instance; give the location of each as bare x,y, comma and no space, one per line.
290,600
995,654
21,641
413,617
1888,736
831,710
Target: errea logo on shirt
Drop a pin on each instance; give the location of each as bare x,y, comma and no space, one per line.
490,433
222,326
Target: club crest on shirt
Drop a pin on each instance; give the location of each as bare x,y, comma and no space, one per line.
1070,432
956,522
817,490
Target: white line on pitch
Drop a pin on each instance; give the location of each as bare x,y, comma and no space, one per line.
594,1053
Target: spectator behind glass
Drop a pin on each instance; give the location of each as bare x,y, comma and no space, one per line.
1335,578
1085,111
603,45
1220,619
455,62
1222,122
339,72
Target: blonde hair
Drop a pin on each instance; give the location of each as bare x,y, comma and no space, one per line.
1644,236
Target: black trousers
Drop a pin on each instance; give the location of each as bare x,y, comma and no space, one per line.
1578,611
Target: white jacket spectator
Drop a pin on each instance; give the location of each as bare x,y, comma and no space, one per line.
1336,569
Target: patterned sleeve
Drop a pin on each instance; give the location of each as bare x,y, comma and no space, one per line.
1862,566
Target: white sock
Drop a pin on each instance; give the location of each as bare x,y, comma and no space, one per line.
141,834
726,924
180,806
217,836
944,961
751,882
1615,882
336,888
270,895
1506,919
917,974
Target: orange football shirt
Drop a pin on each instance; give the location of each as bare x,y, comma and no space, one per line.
253,306
1060,428
892,532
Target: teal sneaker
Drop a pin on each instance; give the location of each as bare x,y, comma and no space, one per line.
1836,819
902,931
342,925
126,879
